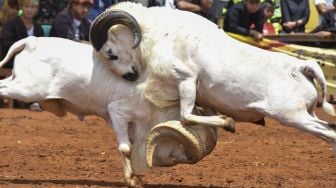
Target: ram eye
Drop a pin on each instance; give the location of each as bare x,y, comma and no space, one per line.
111,55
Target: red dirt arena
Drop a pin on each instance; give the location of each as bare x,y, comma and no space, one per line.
38,149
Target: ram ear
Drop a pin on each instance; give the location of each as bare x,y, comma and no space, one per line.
186,136
101,25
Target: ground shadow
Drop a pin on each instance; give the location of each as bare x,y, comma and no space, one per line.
92,183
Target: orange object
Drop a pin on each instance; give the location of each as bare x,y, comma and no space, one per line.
268,28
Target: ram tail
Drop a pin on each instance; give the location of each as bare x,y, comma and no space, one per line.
313,70
15,48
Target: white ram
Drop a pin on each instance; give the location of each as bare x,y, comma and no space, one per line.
178,56
66,76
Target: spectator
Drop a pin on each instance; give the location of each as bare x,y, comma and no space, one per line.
272,23
269,8
72,23
98,7
240,17
295,15
20,27
326,24
11,10
201,7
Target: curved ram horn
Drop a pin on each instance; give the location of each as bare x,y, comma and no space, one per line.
101,25
208,135
174,130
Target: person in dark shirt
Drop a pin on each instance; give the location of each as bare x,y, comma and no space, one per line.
326,27
72,23
295,15
20,27
241,16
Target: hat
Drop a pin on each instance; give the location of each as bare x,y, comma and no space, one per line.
35,2
90,2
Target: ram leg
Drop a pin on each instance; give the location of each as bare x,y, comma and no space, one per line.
187,89
296,115
119,123
18,90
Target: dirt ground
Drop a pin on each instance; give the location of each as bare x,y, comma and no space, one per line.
38,149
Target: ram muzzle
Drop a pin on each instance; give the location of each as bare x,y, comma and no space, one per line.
102,24
171,143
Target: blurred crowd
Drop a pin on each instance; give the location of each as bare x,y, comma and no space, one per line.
72,19
259,17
